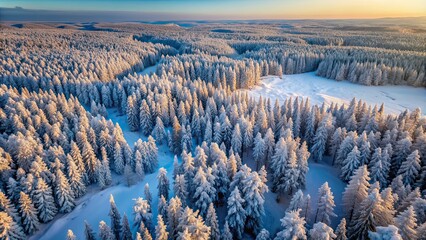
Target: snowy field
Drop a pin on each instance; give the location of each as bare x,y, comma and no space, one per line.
319,90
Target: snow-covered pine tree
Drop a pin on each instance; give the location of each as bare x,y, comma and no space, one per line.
321,231
356,191
293,226
236,214
30,221
410,168
326,205
253,191
174,210
321,138
162,207
163,183
204,192
389,232
105,232
212,222
341,230
63,193
142,213
44,201
70,235
406,222
75,178
9,228
263,235
350,164
237,140
147,193
259,151
160,230
118,158
115,216
180,188
126,233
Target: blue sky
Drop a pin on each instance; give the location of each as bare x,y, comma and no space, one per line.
243,9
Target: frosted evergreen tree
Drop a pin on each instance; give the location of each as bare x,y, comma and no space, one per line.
231,166
406,222
259,150
385,233
177,136
147,193
162,207
365,218
253,191
336,140
105,166
115,216
341,230
219,179
132,114
180,188
194,223
217,136
302,154
365,152
44,201
401,151
75,178
160,230
90,160
208,133
185,235
293,226
204,192
163,183
346,147
173,214
321,231
144,232
118,159
279,163
236,213
356,191
212,222
28,212
126,233
145,118
9,228
410,168
237,140
421,231
263,235
380,167
70,235
326,205
269,140
129,175
7,206
351,163
200,159
63,193
142,213
105,232
88,232
296,201
320,139
226,232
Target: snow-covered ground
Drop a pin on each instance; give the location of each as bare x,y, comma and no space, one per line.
149,70
95,207
319,90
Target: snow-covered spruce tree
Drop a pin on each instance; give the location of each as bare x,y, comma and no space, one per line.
88,232
126,233
410,168
142,213
30,221
9,228
70,235
147,193
259,150
379,167
346,147
326,205
132,113
293,226
321,138
356,191
212,222
226,232
162,207
350,164
263,235
321,231
163,183
180,188
236,214
204,192
389,232
194,223
302,154
296,201
145,118
406,222
105,232
237,140
44,201
115,216
63,193
118,158
75,178
341,230
160,230
174,210
253,192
